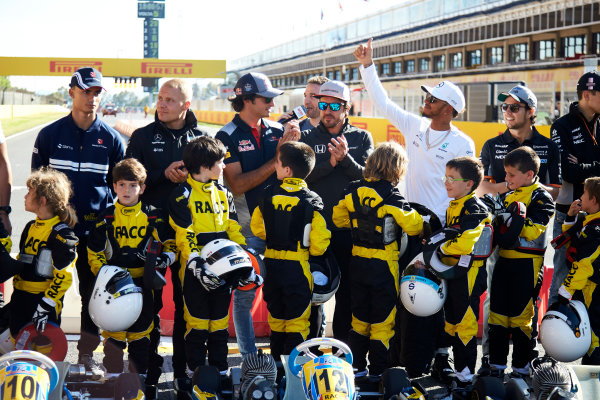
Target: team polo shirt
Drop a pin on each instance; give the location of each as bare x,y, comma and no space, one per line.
243,147
495,150
428,150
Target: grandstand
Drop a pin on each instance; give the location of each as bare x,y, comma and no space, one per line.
484,46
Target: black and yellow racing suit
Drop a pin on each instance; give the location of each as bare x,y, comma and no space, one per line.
280,219
119,238
469,216
374,270
583,259
29,286
200,212
515,280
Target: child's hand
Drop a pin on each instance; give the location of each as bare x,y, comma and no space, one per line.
575,208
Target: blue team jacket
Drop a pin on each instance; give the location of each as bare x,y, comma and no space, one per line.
87,158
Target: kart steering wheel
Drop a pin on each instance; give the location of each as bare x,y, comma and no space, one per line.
304,349
27,355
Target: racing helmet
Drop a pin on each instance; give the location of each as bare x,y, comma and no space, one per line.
549,375
565,331
422,293
227,260
333,370
52,342
116,302
326,277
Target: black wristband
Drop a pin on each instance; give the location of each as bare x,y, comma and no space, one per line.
6,209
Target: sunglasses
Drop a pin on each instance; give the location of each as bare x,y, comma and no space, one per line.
432,99
514,108
332,106
268,99
450,180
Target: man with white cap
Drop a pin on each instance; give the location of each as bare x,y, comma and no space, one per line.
85,149
518,107
431,140
341,151
251,141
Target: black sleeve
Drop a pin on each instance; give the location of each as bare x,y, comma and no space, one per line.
64,248
571,172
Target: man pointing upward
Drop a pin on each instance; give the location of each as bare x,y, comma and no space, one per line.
431,140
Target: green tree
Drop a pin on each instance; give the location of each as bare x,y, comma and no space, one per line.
4,85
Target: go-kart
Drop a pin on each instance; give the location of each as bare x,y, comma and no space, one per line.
37,363
582,383
393,382
29,375
306,375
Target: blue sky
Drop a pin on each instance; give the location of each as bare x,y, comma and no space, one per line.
192,29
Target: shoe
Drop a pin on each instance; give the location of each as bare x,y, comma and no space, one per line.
485,368
92,365
151,392
442,370
517,374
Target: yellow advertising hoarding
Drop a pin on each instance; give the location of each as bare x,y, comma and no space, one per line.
144,68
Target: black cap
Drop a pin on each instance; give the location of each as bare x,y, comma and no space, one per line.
256,83
589,81
85,78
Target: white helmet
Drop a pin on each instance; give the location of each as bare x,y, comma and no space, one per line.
421,292
116,302
565,332
227,260
326,277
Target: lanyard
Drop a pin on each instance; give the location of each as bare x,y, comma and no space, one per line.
588,129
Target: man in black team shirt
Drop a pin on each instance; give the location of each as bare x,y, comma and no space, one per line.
159,147
251,141
577,135
341,151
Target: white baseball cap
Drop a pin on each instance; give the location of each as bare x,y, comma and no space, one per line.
448,92
336,89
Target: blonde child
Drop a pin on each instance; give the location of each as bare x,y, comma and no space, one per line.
47,250
374,209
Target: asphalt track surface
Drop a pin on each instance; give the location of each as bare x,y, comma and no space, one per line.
20,146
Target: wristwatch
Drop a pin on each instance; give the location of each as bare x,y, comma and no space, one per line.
6,209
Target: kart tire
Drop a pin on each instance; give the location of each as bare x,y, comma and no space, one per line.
393,381
489,386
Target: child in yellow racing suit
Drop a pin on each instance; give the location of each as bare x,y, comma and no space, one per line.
120,238
466,220
521,237
282,218
373,209
47,250
201,210
583,253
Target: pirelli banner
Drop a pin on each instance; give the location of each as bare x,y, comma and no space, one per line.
144,68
